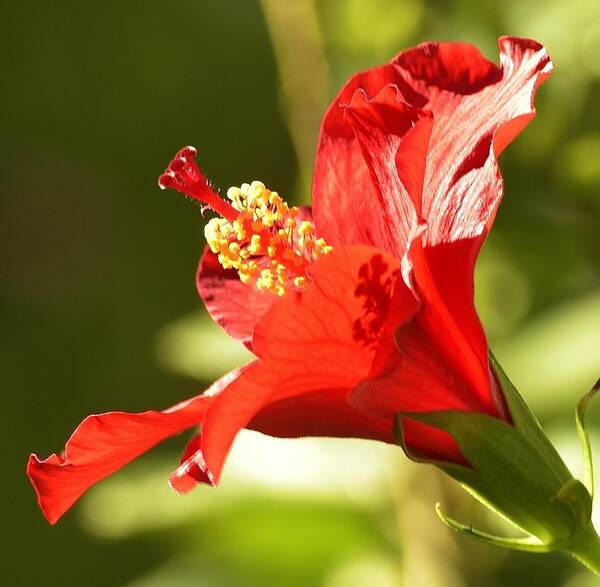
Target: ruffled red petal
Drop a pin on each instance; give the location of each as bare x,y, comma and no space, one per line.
322,338
394,138
318,413
444,275
103,444
234,306
415,377
369,167
454,67
432,353
256,387
478,109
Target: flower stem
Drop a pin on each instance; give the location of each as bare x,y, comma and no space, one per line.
587,550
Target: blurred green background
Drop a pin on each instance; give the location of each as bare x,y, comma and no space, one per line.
99,309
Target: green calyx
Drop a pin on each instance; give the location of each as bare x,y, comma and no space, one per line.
517,473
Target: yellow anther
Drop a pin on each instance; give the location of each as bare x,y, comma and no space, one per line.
268,219
254,246
275,199
257,189
267,244
238,228
235,195
306,228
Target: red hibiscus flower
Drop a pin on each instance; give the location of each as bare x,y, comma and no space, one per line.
363,309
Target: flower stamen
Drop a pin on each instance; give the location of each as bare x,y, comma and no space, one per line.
268,243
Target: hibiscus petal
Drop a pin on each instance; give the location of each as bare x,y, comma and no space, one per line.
320,413
369,166
253,402
192,468
256,387
444,276
321,338
478,109
455,67
227,414
393,137
234,306
432,444
327,333
415,377
438,359
423,362
103,444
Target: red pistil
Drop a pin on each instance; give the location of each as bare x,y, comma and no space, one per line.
183,175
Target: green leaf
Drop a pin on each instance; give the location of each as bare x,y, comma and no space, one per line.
588,477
